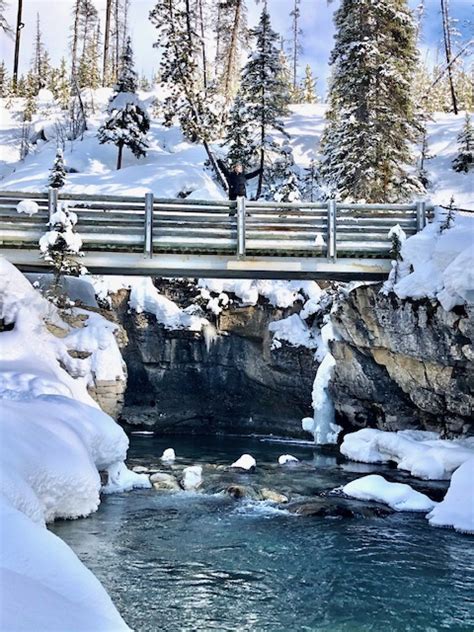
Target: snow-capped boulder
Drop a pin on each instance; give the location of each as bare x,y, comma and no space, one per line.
168,455
192,477
287,458
245,462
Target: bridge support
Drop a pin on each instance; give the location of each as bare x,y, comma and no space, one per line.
148,236
420,215
241,211
52,201
331,230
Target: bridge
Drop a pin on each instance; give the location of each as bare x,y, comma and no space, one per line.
155,236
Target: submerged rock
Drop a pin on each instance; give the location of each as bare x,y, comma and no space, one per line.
338,507
273,496
164,482
242,491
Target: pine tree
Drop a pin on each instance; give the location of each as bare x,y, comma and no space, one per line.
31,106
40,65
127,123
60,85
465,159
57,177
371,120
311,184
424,156
84,32
61,247
295,15
285,183
4,80
88,75
308,87
264,90
239,137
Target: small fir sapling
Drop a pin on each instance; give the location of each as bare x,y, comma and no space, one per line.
61,246
449,217
399,267
57,176
465,159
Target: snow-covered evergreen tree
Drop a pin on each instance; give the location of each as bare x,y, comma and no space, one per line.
31,106
265,91
4,25
284,185
4,80
308,87
61,246
40,64
310,182
371,121
423,175
57,176
127,122
464,161
88,74
400,268
239,137
60,85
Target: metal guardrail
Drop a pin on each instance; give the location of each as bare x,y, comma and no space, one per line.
155,225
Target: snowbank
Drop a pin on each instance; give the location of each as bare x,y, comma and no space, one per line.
442,262
54,440
457,508
293,330
398,496
421,453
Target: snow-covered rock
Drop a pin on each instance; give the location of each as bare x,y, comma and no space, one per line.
287,458
421,453
168,455
457,508
245,462
192,477
398,496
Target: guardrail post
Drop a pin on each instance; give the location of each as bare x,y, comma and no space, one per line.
420,215
52,201
241,227
331,230
148,237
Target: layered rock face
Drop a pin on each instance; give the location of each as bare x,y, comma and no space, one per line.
225,380
403,364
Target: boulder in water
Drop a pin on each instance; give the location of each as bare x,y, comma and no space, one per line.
192,477
246,462
273,496
168,455
164,482
287,458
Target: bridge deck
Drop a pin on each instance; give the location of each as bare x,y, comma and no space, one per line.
164,237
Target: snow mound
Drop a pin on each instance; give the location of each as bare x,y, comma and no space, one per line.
457,508
442,262
293,330
29,207
168,455
398,496
421,453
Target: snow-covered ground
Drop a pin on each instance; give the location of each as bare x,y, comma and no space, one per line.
54,442
173,165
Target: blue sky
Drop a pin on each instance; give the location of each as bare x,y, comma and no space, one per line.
316,22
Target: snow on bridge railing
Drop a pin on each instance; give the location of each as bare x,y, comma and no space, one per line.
255,227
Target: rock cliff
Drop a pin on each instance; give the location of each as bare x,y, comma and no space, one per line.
227,380
402,364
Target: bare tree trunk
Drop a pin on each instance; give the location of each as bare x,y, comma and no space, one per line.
117,38
447,49
75,40
232,53
119,156
105,66
19,26
296,15
203,45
